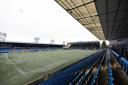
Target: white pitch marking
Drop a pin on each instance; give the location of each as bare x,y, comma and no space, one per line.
21,72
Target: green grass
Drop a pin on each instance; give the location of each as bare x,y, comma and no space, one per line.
24,67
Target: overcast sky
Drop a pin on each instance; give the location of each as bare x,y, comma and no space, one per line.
23,20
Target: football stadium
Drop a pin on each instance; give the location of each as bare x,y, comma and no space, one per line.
75,62
24,63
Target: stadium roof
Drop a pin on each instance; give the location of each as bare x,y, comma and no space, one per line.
106,19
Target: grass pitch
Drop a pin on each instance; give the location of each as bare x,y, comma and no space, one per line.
25,67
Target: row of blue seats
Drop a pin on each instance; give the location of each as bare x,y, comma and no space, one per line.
122,61
74,78
73,74
9,50
96,74
110,75
87,62
124,64
81,80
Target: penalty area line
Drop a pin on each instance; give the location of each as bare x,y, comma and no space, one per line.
20,71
